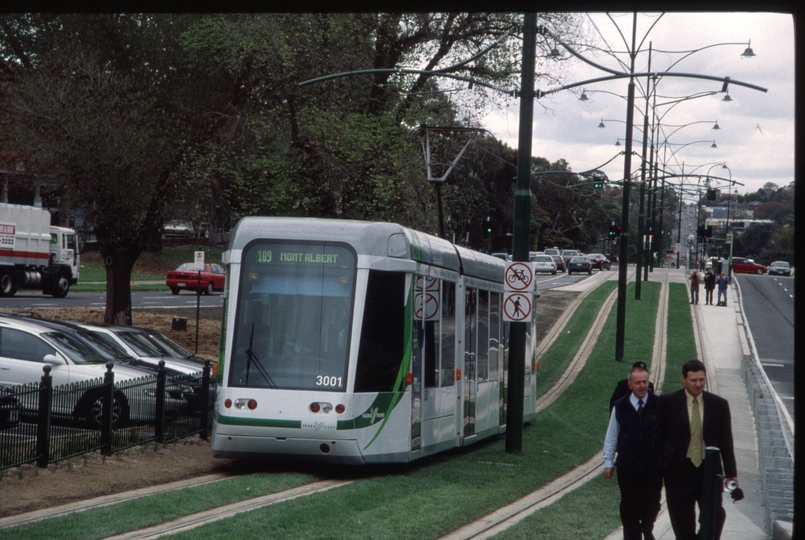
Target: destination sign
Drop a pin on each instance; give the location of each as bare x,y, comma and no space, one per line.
269,256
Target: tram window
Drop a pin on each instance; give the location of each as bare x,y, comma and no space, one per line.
483,336
429,334
470,333
448,323
381,349
494,336
293,316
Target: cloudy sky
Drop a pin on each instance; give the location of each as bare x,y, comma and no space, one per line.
756,139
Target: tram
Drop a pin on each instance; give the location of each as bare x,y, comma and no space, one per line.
359,342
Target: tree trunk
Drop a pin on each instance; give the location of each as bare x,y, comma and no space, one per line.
119,264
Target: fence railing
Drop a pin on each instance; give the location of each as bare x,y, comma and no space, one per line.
44,424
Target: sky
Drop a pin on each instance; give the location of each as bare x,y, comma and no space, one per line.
756,136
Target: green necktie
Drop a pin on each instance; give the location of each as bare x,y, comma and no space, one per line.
696,447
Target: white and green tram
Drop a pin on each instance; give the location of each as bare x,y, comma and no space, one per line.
359,342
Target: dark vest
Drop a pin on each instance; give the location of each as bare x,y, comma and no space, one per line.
635,450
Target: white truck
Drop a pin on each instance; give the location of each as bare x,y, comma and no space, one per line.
34,254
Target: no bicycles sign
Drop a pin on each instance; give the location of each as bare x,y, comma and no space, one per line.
518,276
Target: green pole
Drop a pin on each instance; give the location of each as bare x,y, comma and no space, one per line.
521,236
623,265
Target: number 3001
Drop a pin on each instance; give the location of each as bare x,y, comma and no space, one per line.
324,380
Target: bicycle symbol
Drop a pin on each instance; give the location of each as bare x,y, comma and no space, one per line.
517,275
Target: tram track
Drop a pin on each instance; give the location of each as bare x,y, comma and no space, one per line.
487,526
508,516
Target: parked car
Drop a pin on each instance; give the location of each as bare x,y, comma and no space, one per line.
568,253
560,262
742,265
544,263
187,277
10,409
579,263
599,261
779,268
178,228
135,342
26,346
151,347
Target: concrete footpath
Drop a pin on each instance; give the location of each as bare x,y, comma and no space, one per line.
722,348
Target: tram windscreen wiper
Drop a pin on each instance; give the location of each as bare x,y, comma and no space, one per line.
251,356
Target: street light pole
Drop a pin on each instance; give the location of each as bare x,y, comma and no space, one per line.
624,240
521,235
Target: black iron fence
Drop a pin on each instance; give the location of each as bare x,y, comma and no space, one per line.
45,424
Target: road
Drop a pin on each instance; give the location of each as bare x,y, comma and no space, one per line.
768,303
166,300
139,300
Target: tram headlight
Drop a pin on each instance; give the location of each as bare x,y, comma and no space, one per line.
243,403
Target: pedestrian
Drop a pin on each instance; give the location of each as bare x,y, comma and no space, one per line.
688,421
629,436
722,283
694,287
622,388
709,285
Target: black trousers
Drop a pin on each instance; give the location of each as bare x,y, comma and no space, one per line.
640,501
708,295
683,491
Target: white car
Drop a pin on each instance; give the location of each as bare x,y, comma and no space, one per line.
138,343
544,263
26,347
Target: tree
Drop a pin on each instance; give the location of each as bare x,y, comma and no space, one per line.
104,102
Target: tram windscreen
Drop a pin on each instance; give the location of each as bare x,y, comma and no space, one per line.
293,316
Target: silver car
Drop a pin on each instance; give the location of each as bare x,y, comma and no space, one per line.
26,347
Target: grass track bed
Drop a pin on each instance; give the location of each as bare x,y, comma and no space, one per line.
436,496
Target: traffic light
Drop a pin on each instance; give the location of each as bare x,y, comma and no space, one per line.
712,194
598,185
618,230
611,230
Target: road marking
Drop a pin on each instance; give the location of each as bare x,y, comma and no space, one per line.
790,398
768,364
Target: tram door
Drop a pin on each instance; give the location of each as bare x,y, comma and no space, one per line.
434,348
470,360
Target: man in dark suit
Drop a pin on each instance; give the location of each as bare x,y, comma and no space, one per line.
629,435
622,388
688,421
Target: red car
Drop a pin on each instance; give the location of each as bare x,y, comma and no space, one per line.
742,265
186,277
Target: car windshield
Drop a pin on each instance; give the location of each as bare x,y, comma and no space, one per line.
187,267
73,348
543,258
579,260
781,264
104,344
168,346
138,343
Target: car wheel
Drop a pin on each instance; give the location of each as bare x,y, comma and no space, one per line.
90,409
553,273
759,272
174,290
569,273
589,272
208,290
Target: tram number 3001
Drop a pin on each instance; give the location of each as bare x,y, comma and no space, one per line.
324,380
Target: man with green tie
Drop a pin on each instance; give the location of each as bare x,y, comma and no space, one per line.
688,421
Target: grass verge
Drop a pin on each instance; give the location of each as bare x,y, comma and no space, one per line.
681,345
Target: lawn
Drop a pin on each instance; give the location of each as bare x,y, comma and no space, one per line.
432,497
